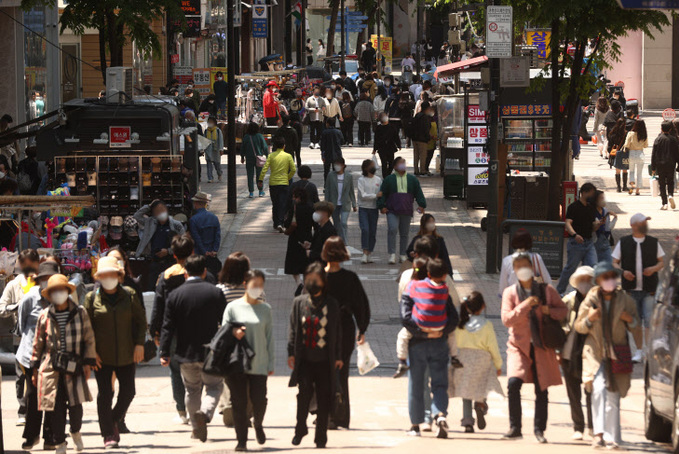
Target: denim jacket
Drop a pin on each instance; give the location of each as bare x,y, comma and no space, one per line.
29,310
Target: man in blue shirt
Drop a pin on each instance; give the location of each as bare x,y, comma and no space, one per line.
205,231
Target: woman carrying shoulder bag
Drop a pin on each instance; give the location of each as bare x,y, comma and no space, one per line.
618,155
253,153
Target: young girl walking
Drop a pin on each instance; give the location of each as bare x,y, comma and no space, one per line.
479,352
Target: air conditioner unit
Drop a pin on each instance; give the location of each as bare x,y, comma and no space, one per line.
119,85
454,37
454,20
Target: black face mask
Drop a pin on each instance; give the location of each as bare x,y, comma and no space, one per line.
28,270
372,170
591,200
313,288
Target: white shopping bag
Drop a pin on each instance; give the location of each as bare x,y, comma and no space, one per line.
377,162
366,359
655,187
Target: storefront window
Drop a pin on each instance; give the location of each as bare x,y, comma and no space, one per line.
35,61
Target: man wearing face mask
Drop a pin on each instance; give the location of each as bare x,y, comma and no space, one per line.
386,143
640,257
220,90
421,136
339,189
323,230
156,232
399,191
331,146
13,293
571,355
606,316
315,106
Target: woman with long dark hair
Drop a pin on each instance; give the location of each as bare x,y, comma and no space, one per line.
428,227
619,159
636,141
599,128
299,228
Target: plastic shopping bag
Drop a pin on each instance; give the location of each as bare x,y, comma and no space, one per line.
366,359
377,162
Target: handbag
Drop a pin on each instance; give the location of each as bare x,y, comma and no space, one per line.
622,364
553,335
150,350
260,160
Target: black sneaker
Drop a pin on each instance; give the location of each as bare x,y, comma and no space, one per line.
30,444
455,362
401,370
469,429
513,434
481,409
241,447
201,420
297,439
260,435
414,431
540,437
441,427
122,428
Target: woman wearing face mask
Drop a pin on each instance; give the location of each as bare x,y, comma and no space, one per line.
605,316
213,154
253,145
347,126
332,108
251,318
323,229
607,220
124,263
428,227
298,226
368,215
314,354
339,189
528,360
522,241
571,355
387,141
119,324
209,105
63,353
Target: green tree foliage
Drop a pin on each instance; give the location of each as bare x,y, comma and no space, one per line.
117,22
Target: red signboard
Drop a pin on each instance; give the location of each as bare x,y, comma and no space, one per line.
475,114
174,59
477,135
570,195
119,136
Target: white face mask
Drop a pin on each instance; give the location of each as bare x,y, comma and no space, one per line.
401,167
524,274
109,283
58,297
317,217
609,285
162,217
2,175
431,226
255,292
583,287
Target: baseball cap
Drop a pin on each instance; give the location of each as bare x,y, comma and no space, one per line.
637,218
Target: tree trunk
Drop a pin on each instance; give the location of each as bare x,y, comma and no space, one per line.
334,11
556,167
102,52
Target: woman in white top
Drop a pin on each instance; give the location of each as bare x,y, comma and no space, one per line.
522,242
332,107
368,191
380,100
599,129
635,142
320,53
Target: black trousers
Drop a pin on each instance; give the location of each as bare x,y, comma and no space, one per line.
243,386
272,121
574,391
364,132
387,161
34,418
514,396
57,418
315,130
347,128
279,198
108,416
314,376
666,182
20,386
326,170
430,156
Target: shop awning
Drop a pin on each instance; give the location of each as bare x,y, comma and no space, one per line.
460,65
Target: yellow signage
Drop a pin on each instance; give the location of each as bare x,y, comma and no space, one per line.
385,49
540,39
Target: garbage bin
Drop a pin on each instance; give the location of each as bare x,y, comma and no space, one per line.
529,196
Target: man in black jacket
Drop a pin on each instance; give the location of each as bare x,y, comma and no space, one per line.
292,142
664,160
420,136
331,145
386,143
193,314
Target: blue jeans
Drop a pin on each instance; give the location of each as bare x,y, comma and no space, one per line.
217,165
645,305
576,253
398,223
434,354
340,219
367,220
603,248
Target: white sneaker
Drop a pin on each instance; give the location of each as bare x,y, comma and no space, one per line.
21,421
577,436
638,357
61,449
370,258
392,259
181,419
672,204
364,259
663,208
78,441
402,258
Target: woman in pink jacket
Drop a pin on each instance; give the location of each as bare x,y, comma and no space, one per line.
528,361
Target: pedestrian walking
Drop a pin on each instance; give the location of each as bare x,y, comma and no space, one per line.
231,280
213,153
331,146
599,129
251,319
636,141
119,325
640,257
339,190
571,356
253,151
28,312
315,105
314,355
581,223
332,109
606,316
193,314
664,160
368,57
368,214
299,229
220,89
364,113
309,48
289,134
282,170
63,355
522,241
320,53
386,143
205,231
619,156
431,146
304,173
380,101
270,104
399,191
428,228
169,280
606,220
421,136
477,348
323,229
347,125
346,288
524,308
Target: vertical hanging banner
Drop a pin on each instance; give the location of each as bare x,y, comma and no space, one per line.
260,27
386,51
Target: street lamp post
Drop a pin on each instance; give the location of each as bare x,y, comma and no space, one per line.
231,205
343,33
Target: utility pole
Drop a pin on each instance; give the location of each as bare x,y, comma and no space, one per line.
493,166
231,205
343,33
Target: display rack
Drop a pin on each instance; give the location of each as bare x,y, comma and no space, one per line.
529,142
